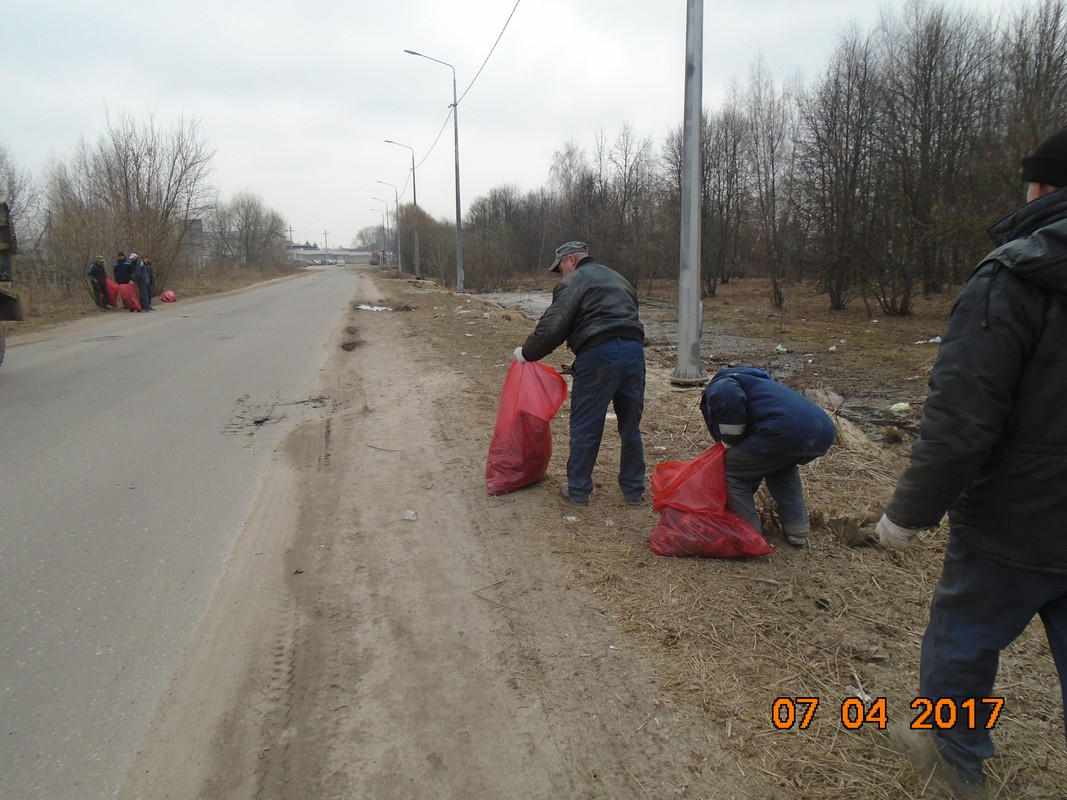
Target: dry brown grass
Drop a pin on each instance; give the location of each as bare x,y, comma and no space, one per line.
841,620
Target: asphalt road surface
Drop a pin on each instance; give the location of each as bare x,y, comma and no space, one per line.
131,450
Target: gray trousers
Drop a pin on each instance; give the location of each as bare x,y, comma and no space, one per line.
746,470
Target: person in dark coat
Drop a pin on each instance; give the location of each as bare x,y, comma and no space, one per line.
992,452
123,269
142,277
768,430
594,309
98,280
151,280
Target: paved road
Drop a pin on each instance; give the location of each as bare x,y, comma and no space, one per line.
130,452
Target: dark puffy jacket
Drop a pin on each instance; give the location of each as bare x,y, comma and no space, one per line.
992,448
123,271
590,306
745,405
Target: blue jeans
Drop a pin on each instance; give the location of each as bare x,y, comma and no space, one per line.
611,372
979,608
745,470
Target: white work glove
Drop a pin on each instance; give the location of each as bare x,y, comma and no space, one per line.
892,535
725,446
517,355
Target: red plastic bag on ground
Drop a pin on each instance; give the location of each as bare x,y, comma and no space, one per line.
131,300
694,520
168,297
522,439
112,292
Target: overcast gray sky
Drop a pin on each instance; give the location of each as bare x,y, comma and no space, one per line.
297,98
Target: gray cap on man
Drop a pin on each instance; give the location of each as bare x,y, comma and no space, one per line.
566,250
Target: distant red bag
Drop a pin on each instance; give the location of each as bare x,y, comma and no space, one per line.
168,297
112,292
522,439
131,300
694,520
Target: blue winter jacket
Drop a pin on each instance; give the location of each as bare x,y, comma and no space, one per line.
744,404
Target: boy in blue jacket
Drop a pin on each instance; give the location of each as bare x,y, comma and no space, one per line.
768,430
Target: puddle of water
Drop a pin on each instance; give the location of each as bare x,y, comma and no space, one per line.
533,303
720,347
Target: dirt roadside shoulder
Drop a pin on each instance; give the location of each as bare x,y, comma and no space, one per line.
376,655
516,647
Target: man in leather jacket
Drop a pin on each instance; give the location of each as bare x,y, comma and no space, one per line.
594,309
992,452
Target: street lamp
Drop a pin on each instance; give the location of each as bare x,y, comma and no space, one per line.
414,203
455,128
381,236
386,234
396,223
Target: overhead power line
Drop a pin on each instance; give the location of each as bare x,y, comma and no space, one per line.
451,110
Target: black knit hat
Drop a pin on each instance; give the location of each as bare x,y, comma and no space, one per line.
1048,164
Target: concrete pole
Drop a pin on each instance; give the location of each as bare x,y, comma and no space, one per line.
689,370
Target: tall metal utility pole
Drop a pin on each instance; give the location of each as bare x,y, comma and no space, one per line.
326,242
414,204
396,223
689,371
455,129
385,224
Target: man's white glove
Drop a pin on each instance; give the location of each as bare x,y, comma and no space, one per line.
517,355
725,446
892,535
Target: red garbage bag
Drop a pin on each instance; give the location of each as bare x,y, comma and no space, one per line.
168,297
112,292
694,519
522,439
131,300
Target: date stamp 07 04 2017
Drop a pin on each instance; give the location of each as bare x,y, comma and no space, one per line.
931,714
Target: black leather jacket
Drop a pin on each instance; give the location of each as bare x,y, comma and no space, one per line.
590,306
992,449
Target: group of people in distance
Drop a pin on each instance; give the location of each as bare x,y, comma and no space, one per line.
130,269
991,452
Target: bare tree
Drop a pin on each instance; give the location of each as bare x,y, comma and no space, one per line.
246,231
836,163
367,238
726,193
492,233
155,183
574,185
72,232
936,68
1030,94
770,118
18,190
626,238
